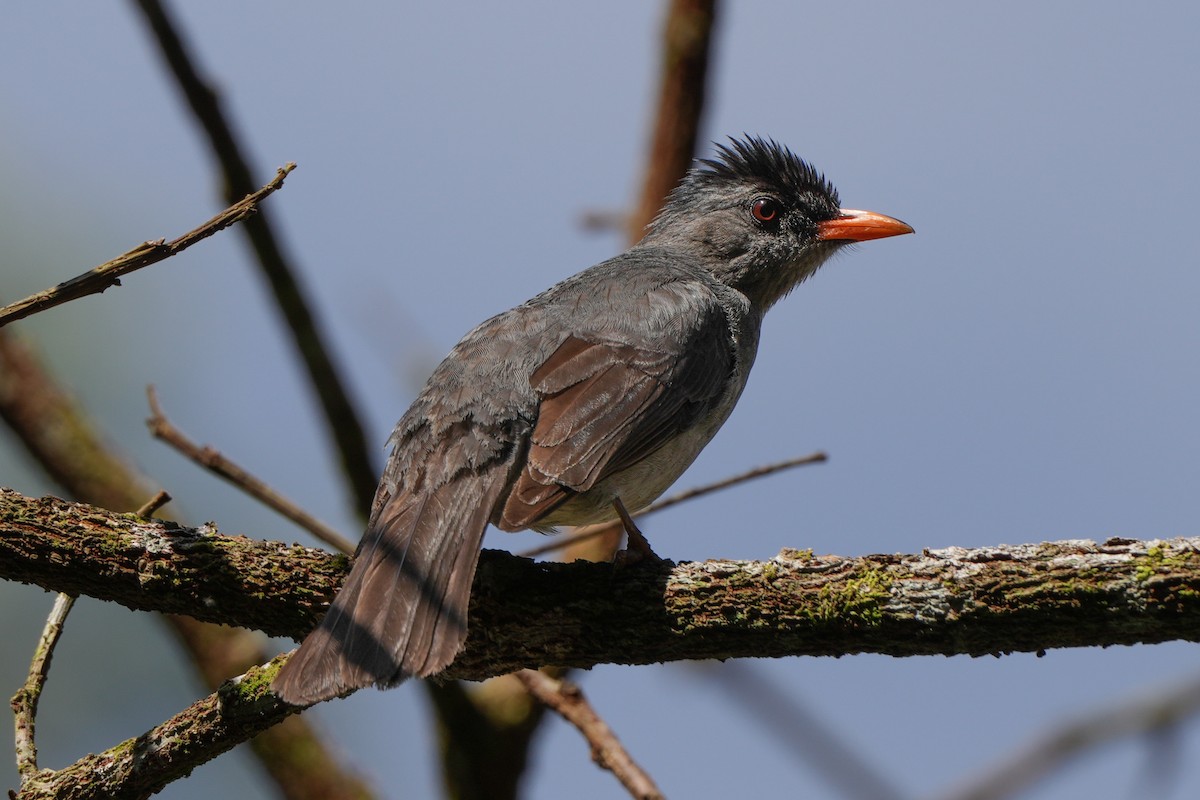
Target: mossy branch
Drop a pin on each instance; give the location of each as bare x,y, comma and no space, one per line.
142,766
1000,599
978,601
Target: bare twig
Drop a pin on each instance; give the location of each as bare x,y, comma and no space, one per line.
109,273
153,504
345,427
733,480
607,751
25,701
1154,713
219,465
591,531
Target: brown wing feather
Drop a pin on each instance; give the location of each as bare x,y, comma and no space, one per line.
605,406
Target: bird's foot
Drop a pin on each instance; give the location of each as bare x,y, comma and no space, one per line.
637,548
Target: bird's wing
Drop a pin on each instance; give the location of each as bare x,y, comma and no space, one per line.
606,405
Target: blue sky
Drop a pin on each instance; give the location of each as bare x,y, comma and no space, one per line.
1022,369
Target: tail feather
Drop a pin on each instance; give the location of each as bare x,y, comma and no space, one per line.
403,609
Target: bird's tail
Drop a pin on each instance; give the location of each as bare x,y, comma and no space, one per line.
403,609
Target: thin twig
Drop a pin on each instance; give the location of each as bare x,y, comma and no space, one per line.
109,273
591,531
25,701
1044,754
607,751
344,426
733,480
162,428
153,504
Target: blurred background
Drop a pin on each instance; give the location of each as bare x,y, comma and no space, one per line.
1022,369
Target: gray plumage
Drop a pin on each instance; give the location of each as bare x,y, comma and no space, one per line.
604,386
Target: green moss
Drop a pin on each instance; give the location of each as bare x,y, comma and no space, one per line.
1081,586
117,752
1156,561
256,682
797,555
859,599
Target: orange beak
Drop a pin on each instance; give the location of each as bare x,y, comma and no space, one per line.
860,226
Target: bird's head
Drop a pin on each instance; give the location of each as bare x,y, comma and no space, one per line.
761,219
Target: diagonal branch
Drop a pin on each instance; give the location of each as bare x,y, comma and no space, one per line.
109,273
140,767
164,430
607,751
687,34
344,425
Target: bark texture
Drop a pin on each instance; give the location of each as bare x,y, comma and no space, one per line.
1000,599
1008,598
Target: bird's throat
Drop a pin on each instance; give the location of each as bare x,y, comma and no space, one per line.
765,286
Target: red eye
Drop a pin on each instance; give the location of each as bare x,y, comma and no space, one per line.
765,209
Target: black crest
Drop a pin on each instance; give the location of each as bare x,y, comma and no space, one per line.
765,162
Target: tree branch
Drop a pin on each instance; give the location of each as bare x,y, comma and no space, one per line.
211,459
25,701
607,751
344,425
687,34
525,614
109,273
686,47
586,532
137,768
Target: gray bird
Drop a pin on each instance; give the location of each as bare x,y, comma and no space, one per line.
581,405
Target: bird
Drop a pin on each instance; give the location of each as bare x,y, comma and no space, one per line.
581,405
